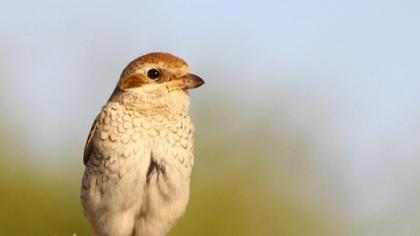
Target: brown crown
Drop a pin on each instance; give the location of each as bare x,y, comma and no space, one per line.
154,57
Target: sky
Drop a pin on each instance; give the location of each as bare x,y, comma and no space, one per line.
349,67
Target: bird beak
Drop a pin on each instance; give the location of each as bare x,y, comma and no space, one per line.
190,81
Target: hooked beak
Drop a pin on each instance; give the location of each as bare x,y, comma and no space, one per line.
190,81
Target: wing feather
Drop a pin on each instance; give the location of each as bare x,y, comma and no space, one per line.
89,144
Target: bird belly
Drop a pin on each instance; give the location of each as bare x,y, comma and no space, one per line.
113,184
167,189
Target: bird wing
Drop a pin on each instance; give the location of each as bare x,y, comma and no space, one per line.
89,145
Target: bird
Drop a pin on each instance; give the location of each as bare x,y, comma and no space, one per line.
139,154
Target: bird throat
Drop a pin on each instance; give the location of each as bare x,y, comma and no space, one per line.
149,102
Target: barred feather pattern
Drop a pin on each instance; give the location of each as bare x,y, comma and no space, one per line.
138,164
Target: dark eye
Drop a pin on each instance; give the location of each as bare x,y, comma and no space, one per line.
153,74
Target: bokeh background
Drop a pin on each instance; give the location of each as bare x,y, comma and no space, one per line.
308,125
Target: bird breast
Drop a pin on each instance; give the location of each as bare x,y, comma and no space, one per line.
129,132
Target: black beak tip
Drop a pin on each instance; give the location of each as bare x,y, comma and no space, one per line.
202,82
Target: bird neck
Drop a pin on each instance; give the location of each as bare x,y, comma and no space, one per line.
149,102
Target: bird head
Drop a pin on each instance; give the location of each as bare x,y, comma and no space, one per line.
157,77
160,70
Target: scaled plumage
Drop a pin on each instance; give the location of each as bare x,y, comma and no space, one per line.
140,151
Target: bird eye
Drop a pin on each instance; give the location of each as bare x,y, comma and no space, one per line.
153,74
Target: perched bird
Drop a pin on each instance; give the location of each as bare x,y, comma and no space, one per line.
140,150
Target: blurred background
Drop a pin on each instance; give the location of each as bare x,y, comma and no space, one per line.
309,122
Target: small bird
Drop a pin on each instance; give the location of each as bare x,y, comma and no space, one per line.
140,150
